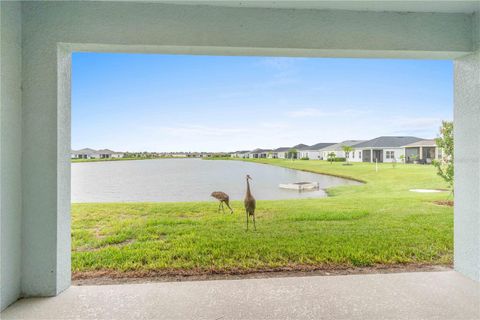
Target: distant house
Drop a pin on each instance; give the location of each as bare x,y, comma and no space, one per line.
337,150
279,153
383,149
240,154
88,153
424,151
259,153
299,148
107,153
85,153
312,152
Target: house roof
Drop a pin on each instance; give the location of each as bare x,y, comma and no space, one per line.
321,145
105,151
388,142
84,151
301,146
282,149
423,143
338,146
92,151
260,150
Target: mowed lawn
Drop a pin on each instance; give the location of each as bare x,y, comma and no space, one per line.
378,223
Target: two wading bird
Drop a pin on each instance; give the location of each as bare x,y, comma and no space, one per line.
249,202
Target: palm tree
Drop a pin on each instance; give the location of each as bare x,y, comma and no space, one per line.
331,157
347,150
292,153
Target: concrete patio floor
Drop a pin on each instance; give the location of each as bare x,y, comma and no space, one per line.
420,295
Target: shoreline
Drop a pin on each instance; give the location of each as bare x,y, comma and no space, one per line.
123,159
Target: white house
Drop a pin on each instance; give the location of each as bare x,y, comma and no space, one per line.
107,153
240,154
259,153
88,153
382,149
279,153
312,152
337,149
85,153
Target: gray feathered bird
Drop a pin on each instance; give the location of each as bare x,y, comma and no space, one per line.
250,203
223,198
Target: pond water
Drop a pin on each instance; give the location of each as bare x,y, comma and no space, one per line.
170,180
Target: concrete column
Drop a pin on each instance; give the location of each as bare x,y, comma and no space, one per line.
10,152
467,166
46,255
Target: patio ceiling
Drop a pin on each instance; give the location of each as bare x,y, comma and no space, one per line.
379,6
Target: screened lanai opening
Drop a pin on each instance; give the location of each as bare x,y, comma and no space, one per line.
169,151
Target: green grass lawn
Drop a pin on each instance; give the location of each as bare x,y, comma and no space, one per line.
378,223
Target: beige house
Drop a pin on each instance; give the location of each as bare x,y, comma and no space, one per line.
423,151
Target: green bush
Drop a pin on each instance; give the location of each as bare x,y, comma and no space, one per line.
304,158
337,159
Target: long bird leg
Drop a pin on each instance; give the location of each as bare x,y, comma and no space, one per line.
254,226
219,205
228,205
223,208
247,220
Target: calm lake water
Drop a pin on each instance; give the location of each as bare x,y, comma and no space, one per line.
167,180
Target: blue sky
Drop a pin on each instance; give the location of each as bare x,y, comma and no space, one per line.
135,102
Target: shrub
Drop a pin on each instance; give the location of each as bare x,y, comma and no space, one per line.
445,142
305,158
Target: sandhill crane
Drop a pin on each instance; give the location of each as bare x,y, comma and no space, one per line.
250,203
223,198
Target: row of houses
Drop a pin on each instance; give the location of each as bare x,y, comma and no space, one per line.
88,153
381,149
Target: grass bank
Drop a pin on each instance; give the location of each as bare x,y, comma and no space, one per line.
380,223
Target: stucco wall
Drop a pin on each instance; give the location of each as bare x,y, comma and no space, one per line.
467,155
10,151
397,153
467,166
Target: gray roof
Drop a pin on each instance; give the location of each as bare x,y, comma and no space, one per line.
282,149
84,151
321,145
105,151
260,150
423,143
338,146
301,146
388,142
92,151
